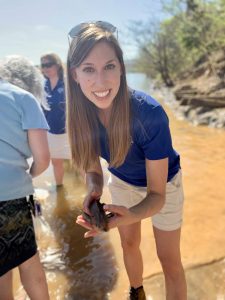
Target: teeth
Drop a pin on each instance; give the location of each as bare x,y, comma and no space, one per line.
101,94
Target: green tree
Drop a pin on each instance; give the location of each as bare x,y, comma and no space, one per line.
195,29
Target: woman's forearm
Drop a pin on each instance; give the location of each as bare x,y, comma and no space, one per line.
149,206
94,181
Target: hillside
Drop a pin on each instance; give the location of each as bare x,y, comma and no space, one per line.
200,93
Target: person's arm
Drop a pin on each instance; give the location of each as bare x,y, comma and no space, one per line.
38,143
94,183
157,172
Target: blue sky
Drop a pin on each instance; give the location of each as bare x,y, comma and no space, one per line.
32,28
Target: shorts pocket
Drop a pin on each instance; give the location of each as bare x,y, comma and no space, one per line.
174,189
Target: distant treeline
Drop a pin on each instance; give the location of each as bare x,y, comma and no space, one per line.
191,32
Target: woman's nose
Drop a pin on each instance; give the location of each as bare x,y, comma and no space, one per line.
100,79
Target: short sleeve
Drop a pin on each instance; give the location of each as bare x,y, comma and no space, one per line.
155,138
32,114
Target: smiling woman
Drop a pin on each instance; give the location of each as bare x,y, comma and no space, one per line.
130,130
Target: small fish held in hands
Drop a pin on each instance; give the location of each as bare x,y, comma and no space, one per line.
99,217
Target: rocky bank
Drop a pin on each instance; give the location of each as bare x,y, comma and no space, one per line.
200,93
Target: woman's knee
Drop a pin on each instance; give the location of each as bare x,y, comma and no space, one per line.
171,262
58,163
130,237
129,243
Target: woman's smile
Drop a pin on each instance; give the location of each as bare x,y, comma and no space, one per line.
102,94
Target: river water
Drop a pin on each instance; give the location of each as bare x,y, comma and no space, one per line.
92,269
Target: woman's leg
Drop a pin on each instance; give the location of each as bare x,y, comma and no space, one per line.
130,240
58,169
33,278
6,286
168,250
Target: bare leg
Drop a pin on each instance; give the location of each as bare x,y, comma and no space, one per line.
6,286
130,240
33,278
58,169
168,250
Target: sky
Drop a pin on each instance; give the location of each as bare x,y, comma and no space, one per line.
32,28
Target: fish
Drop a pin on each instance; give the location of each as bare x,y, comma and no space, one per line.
98,217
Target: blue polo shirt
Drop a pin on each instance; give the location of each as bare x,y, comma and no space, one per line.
56,116
151,140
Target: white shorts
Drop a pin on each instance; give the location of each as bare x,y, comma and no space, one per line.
59,146
169,217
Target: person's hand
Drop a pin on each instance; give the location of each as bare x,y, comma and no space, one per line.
121,215
89,198
92,230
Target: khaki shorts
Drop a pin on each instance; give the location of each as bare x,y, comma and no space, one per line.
169,217
59,146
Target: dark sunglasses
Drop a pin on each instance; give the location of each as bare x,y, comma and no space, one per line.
74,32
47,65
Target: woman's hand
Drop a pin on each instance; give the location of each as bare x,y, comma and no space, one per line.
122,216
92,230
89,198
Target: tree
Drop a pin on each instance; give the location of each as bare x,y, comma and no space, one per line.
156,50
168,48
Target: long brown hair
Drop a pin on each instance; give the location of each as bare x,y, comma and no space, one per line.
82,117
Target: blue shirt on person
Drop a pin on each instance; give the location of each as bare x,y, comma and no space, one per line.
56,115
151,139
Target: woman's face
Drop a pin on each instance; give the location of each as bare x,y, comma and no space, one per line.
99,75
48,68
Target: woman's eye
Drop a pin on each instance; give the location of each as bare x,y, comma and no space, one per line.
110,67
88,70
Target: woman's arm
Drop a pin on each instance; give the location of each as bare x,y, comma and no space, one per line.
157,172
38,143
94,183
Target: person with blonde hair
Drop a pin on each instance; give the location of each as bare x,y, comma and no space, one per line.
130,130
23,134
52,69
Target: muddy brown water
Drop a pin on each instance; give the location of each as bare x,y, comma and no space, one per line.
92,269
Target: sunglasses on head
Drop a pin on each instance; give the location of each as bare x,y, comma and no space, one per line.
47,65
75,31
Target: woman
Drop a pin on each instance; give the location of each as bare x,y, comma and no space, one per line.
130,130
23,133
52,69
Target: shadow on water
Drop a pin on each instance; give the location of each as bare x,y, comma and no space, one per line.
76,268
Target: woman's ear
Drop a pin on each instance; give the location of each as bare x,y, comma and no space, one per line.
74,75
